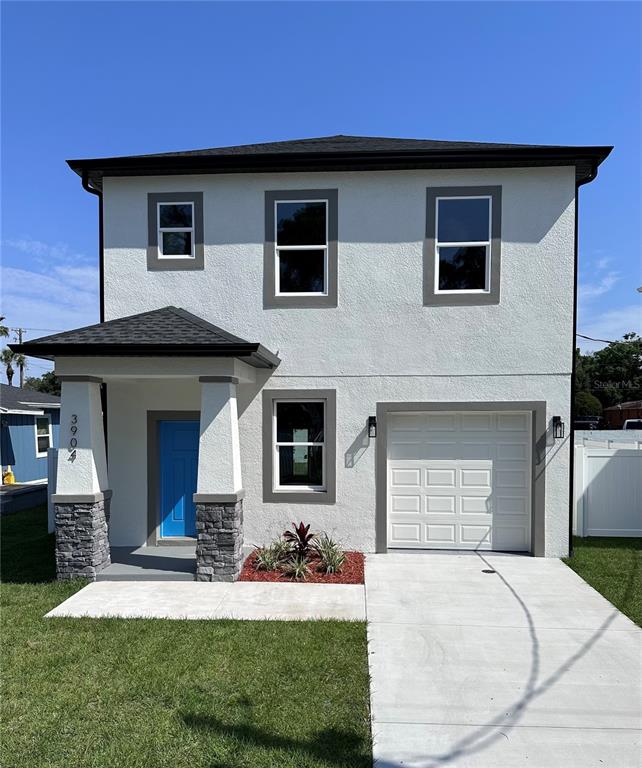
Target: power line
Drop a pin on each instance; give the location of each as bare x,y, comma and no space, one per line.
604,341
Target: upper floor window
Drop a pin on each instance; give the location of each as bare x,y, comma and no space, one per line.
44,439
301,247
301,259
175,231
463,246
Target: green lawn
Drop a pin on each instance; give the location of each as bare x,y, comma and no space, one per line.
88,693
614,568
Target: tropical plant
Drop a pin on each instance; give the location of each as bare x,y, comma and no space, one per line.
282,549
265,559
331,556
297,568
301,540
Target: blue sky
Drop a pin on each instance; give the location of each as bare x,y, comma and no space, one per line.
85,79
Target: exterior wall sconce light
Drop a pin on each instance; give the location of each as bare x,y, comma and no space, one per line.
558,427
372,426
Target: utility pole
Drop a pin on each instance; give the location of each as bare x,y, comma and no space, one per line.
22,367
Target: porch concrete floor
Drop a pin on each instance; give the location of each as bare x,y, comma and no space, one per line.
216,600
165,563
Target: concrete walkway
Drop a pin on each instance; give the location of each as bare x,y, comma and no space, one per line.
202,600
527,666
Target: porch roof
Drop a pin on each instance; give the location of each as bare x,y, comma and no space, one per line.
169,331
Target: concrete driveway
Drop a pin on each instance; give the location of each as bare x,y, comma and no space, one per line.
527,666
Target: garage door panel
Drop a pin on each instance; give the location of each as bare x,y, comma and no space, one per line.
511,505
469,450
437,533
476,505
405,478
511,478
441,477
460,480
477,535
405,533
477,422
406,503
423,451
512,538
436,422
445,504
512,451
475,478
513,422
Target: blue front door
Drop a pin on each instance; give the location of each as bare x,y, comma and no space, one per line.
178,467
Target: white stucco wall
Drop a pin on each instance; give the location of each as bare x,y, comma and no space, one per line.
379,344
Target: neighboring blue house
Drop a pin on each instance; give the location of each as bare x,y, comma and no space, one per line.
29,422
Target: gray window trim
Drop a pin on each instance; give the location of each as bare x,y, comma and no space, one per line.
431,298
154,263
539,435
153,468
270,299
328,496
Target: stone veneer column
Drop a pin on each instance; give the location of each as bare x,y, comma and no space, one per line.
81,499
82,542
219,544
218,500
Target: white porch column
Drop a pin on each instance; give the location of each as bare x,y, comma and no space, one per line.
219,505
81,501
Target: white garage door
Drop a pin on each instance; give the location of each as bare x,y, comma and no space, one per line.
459,480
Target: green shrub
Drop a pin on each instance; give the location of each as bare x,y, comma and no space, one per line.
297,568
331,556
266,559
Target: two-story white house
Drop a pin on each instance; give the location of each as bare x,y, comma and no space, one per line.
372,335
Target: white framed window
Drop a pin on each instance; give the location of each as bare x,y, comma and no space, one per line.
301,247
463,244
175,230
44,436
299,445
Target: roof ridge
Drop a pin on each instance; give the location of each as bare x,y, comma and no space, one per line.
199,322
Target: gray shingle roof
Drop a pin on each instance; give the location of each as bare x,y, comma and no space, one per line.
16,399
343,153
167,331
340,143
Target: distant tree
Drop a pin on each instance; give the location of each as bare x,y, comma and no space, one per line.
587,404
612,374
48,383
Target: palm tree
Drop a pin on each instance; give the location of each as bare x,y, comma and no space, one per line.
9,359
6,358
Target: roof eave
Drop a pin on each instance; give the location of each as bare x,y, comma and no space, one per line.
585,159
254,354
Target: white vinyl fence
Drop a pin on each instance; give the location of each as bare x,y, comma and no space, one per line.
608,488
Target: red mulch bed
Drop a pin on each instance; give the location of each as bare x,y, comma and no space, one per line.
351,573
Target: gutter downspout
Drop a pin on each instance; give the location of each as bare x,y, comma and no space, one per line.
101,289
571,482
101,242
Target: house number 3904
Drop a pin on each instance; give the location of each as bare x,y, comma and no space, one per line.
73,440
